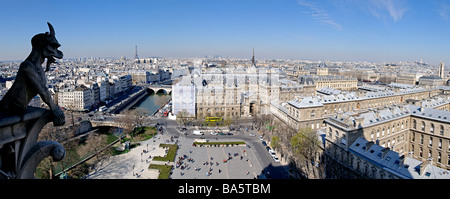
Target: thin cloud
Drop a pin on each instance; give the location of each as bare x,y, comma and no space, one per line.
443,11
319,14
396,9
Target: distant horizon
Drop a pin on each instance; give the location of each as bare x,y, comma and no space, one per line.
375,31
229,57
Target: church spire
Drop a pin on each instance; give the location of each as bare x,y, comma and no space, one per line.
253,58
441,70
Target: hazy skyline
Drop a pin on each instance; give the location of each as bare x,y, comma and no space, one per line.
335,30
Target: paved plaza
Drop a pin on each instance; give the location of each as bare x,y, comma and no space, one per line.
134,164
242,165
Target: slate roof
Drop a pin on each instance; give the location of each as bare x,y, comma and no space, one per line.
391,161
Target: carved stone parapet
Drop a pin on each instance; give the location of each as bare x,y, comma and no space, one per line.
20,153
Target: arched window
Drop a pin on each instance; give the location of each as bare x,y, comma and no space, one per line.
313,113
431,128
441,131
423,126
414,124
330,132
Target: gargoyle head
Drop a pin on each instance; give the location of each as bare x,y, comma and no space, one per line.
48,44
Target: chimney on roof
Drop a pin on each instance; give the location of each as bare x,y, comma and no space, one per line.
368,145
385,151
359,121
422,108
421,167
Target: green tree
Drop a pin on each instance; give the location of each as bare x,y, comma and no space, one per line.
306,145
275,143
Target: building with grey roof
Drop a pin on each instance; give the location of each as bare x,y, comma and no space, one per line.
331,81
376,162
420,132
431,81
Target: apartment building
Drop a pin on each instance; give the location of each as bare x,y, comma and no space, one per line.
81,98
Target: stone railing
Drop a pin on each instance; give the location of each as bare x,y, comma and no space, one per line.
20,152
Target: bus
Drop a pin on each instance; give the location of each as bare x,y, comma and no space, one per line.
213,119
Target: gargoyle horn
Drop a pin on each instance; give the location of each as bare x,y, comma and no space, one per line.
52,31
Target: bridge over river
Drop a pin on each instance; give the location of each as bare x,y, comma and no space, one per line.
167,89
136,97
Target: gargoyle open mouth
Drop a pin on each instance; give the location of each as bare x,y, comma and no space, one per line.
51,51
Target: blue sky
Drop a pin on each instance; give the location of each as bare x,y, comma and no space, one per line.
336,30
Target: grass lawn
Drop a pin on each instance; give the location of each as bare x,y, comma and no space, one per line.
170,154
164,170
143,133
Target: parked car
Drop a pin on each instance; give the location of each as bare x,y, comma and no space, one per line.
260,137
251,134
264,143
272,153
275,158
214,133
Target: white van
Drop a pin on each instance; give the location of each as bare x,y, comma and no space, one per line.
196,132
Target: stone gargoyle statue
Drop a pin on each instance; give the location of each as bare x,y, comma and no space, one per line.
31,81
20,125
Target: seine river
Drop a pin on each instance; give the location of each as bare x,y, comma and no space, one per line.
151,103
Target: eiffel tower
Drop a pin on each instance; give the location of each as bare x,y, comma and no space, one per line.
135,53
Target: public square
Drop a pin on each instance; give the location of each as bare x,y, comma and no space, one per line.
233,162
191,162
